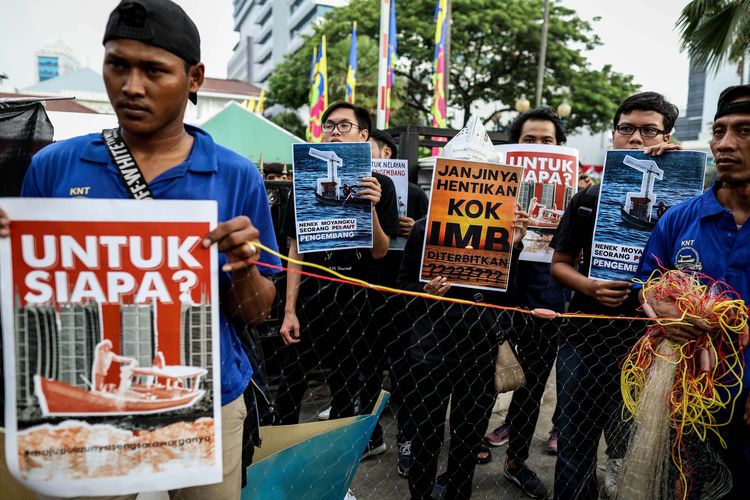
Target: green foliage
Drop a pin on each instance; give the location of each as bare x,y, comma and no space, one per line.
714,31
494,50
291,122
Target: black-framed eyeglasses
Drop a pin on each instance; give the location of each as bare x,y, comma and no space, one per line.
344,127
645,131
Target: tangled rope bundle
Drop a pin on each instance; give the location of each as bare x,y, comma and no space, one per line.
670,388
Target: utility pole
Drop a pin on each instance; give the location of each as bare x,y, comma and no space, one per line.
542,55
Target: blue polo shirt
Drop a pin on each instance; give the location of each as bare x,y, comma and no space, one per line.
700,235
82,167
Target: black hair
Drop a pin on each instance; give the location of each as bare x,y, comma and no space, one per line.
649,101
385,139
364,121
544,113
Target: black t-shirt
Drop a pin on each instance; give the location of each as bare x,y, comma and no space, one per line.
445,331
574,236
418,202
358,262
535,287
387,267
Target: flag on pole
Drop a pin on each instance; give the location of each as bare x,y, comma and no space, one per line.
311,96
391,78
251,104
351,74
318,94
384,30
439,76
261,99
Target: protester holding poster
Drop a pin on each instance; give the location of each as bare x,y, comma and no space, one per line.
549,173
154,154
328,328
590,350
709,234
452,346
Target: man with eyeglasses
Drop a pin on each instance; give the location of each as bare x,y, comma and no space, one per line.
333,318
588,375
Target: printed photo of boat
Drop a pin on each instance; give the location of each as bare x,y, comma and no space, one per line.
329,214
637,189
65,366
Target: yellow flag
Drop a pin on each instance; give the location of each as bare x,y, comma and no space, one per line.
251,104
259,107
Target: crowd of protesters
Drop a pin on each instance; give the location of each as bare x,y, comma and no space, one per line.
440,355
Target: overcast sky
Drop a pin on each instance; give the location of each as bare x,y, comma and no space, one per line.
639,37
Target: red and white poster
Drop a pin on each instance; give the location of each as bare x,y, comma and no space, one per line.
110,329
550,179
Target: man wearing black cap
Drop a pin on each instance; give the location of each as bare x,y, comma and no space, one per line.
713,230
151,69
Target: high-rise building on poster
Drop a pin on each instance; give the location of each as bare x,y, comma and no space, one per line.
54,343
80,331
195,335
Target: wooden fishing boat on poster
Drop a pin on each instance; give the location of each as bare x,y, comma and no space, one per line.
148,390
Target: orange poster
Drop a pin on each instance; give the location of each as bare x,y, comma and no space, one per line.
469,225
111,333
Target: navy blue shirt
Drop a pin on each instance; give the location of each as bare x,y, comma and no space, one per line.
82,167
701,235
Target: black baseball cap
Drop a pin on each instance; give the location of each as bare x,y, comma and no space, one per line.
729,94
161,23
386,138
273,168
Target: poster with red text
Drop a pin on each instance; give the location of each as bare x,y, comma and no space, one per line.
469,236
550,179
110,329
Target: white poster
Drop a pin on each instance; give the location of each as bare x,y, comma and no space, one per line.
550,177
398,172
110,324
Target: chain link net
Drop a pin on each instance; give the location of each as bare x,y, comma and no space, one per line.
445,426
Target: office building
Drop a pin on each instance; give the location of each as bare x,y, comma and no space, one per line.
270,29
55,60
693,127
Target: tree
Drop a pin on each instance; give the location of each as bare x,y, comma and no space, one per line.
494,50
714,31
291,122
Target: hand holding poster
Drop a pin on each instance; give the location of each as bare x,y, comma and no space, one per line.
469,235
637,189
112,366
329,212
398,172
549,183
